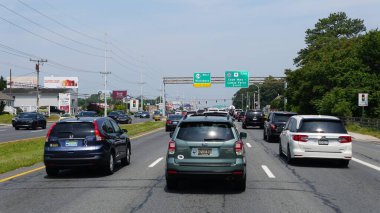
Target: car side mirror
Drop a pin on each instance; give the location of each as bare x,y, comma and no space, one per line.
125,130
171,134
243,135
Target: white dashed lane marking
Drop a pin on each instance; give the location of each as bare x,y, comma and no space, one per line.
155,162
249,145
267,171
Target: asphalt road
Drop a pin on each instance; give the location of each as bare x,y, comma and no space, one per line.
309,186
8,133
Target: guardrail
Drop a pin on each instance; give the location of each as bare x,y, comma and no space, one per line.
364,122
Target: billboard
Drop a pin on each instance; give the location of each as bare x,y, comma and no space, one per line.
61,82
22,82
64,101
119,94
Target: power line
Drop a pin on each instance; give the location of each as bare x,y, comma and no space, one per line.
49,30
59,23
47,39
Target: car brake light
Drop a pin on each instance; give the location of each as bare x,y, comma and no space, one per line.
273,126
345,139
300,138
239,147
169,122
48,133
98,135
171,148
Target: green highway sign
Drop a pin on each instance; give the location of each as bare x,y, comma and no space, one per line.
236,79
202,79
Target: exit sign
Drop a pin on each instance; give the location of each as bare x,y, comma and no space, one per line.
236,79
202,79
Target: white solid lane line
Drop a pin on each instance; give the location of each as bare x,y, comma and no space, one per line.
156,162
267,171
366,164
249,145
37,130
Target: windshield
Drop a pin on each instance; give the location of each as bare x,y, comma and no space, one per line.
27,115
322,126
282,117
205,132
175,117
75,130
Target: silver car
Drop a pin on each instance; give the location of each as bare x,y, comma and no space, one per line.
316,136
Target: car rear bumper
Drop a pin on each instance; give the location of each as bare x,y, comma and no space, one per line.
236,170
344,154
170,127
253,123
69,159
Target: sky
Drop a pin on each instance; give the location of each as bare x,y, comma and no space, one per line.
151,39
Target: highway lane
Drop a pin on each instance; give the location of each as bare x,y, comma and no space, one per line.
140,187
8,133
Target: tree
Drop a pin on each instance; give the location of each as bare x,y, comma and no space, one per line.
3,83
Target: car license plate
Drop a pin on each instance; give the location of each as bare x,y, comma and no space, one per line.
71,143
323,142
254,119
204,152
174,122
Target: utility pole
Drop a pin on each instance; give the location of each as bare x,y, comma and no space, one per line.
242,103
141,91
10,82
105,91
38,79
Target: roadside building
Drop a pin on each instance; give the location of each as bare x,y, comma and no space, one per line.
9,103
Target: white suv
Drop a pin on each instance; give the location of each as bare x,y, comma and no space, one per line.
315,136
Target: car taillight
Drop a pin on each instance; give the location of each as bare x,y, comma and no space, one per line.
300,138
169,122
273,126
171,148
49,132
345,139
98,135
239,147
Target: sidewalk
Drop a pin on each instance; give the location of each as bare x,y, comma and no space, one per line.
363,138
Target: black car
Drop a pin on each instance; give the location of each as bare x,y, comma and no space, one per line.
145,115
137,114
172,121
253,118
275,124
87,114
114,115
84,142
124,119
29,120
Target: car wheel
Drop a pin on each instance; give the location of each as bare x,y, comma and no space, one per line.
109,166
171,183
50,171
241,184
17,128
344,163
281,154
34,127
244,126
127,159
44,126
289,158
264,135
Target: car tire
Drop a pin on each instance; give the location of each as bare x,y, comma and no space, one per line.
171,183
241,184
109,166
17,128
264,135
344,163
244,126
51,171
44,126
127,159
289,158
269,138
34,127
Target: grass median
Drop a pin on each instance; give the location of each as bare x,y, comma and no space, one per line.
363,130
28,152
6,119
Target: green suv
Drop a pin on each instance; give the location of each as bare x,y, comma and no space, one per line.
206,146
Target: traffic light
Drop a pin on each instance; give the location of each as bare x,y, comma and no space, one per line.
134,104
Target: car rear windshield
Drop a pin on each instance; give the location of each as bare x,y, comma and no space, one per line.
75,130
88,114
27,115
206,131
175,117
322,126
282,117
257,114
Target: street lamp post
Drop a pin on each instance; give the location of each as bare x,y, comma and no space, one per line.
258,96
